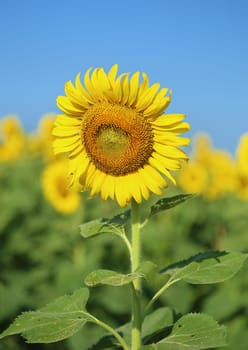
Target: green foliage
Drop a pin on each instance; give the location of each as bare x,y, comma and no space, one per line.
192,331
210,267
100,226
113,278
168,203
56,321
42,257
110,278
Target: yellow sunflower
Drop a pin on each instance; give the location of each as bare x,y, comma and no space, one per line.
56,189
116,136
193,178
242,154
12,139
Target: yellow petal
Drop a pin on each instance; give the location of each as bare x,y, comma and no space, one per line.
65,120
170,139
75,97
88,83
66,141
152,179
82,91
144,85
59,130
175,128
143,188
134,87
125,89
112,73
65,105
108,187
78,166
99,84
132,181
159,165
170,151
121,192
168,119
156,108
97,182
146,99
171,164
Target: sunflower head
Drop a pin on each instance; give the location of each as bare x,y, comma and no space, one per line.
242,155
12,139
116,136
56,189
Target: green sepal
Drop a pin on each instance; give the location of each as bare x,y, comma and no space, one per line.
169,202
204,268
56,321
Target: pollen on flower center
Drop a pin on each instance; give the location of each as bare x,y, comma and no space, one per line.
116,138
112,140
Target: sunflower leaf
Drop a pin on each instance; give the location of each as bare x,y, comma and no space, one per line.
194,332
56,321
168,203
100,226
209,267
111,278
159,320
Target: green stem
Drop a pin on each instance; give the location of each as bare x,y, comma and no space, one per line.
112,331
126,241
136,285
159,292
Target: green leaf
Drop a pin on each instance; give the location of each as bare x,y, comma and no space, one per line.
105,225
209,267
56,321
111,278
194,332
168,203
158,320
197,331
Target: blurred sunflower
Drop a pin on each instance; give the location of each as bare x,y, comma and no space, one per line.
193,177
116,136
222,175
40,142
202,149
56,189
242,155
12,139
242,166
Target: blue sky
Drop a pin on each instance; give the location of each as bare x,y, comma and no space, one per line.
198,48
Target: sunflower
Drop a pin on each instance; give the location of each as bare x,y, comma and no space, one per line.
242,155
12,139
56,189
116,136
193,178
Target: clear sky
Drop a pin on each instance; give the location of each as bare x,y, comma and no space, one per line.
198,48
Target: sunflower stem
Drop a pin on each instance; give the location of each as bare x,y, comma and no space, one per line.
113,331
136,284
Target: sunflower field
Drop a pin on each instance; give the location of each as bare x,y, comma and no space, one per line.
43,256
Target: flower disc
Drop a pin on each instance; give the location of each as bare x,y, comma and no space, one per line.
117,139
